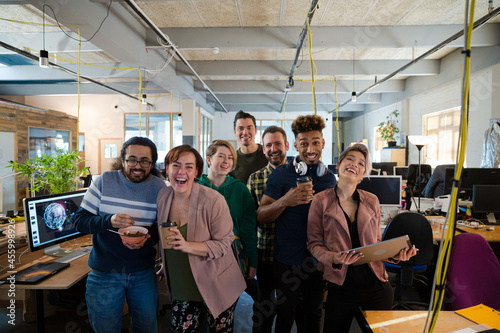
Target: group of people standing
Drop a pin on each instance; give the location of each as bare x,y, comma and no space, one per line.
244,226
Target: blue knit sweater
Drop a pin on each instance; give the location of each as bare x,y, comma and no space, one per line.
112,193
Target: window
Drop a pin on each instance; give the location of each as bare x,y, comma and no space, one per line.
444,129
46,141
377,139
205,138
164,129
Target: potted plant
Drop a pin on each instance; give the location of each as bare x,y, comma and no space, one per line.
55,174
388,129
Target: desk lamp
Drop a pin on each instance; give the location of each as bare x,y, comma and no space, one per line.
419,141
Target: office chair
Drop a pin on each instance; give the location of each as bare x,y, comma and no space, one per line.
415,185
375,172
418,228
474,274
87,180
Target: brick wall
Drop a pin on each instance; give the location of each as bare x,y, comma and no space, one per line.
18,119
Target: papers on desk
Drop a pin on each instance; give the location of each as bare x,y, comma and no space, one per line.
482,314
474,329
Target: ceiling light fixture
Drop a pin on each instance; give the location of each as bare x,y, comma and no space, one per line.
353,94
43,61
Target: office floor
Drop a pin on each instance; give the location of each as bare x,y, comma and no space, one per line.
71,321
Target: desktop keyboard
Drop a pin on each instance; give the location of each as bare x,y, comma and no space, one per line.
74,255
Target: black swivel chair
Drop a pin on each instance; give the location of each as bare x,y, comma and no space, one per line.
415,185
87,180
418,228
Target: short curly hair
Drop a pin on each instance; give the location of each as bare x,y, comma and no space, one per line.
307,124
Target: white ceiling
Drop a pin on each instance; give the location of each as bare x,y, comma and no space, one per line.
243,50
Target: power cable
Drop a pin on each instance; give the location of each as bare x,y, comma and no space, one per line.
302,36
95,33
446,246
33,57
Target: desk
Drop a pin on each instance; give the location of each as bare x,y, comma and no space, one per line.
490,236
63,280
413,321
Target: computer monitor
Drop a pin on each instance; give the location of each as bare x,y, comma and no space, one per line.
417,183
333,167
471,177
49,221
401,171
485,201
386,168
386,188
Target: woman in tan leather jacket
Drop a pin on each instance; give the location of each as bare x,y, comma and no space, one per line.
340,219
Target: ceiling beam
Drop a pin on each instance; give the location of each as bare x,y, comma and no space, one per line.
324,37
54,42
276,87
294,98
292,108
254,68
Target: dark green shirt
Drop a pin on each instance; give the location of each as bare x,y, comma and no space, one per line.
182,284
246,164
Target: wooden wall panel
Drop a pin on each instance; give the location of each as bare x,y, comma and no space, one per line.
18,119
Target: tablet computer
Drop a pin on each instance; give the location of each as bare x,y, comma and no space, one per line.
38,272
381,251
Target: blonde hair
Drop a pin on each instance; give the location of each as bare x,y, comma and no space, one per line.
212,149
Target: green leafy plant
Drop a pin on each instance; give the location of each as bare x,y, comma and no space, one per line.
389,129
56,174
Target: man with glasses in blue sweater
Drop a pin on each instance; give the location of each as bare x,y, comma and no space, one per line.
119,270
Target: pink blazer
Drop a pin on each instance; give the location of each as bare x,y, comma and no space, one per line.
328,231
218,276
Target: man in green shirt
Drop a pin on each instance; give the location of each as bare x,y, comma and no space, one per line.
250,155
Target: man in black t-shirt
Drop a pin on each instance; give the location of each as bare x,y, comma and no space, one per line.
250,155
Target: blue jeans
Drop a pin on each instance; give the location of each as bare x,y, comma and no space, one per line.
105,296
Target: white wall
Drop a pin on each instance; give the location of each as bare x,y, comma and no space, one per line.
448,96
483,106
223,127
102,116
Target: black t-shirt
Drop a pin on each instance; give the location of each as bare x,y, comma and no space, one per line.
360,278
247,164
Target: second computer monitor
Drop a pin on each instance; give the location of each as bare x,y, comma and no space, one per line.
386,188
386,168
471,177
401,171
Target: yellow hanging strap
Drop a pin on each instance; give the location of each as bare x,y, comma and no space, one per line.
140,103
337,117
447,241
311,64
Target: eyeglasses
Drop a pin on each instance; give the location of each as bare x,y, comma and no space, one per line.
133,163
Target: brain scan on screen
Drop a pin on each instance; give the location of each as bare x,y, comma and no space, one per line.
55,215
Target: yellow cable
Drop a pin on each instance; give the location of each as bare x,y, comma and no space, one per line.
444,258
337,117
309,45
78,92
140,103
79,63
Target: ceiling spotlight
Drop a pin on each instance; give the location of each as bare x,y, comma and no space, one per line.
353,96
143,99
43,61
215,50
